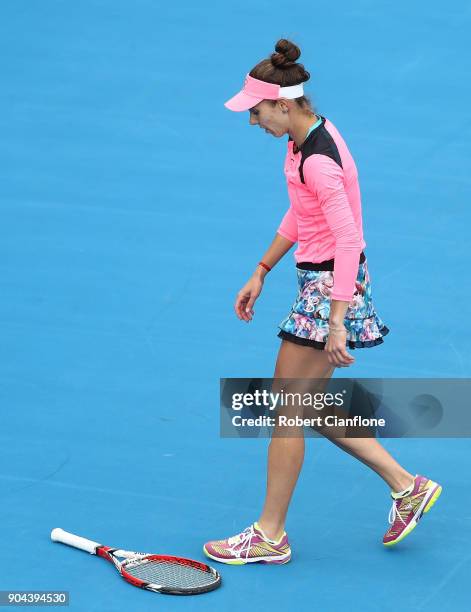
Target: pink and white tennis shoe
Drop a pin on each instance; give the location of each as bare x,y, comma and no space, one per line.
407,511
249,546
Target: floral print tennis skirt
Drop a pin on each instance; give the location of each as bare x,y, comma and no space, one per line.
308,321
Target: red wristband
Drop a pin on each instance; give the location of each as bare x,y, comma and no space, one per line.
264,265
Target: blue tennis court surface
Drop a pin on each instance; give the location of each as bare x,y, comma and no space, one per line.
134,206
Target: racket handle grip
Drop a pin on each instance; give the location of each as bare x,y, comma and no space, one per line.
59,535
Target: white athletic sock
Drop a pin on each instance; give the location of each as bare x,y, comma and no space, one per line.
407,491
267,538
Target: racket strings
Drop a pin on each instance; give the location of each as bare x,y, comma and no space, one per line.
170,574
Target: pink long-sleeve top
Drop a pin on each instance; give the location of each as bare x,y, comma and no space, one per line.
324,216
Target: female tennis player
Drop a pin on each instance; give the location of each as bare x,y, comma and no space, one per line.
333,309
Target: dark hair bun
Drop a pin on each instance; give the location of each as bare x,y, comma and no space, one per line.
286,54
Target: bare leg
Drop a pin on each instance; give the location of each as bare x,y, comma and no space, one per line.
286,454
370,452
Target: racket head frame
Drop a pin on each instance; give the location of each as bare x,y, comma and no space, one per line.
191,563
132,559
123,558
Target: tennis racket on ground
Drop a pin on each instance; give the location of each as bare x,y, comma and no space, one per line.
158,573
